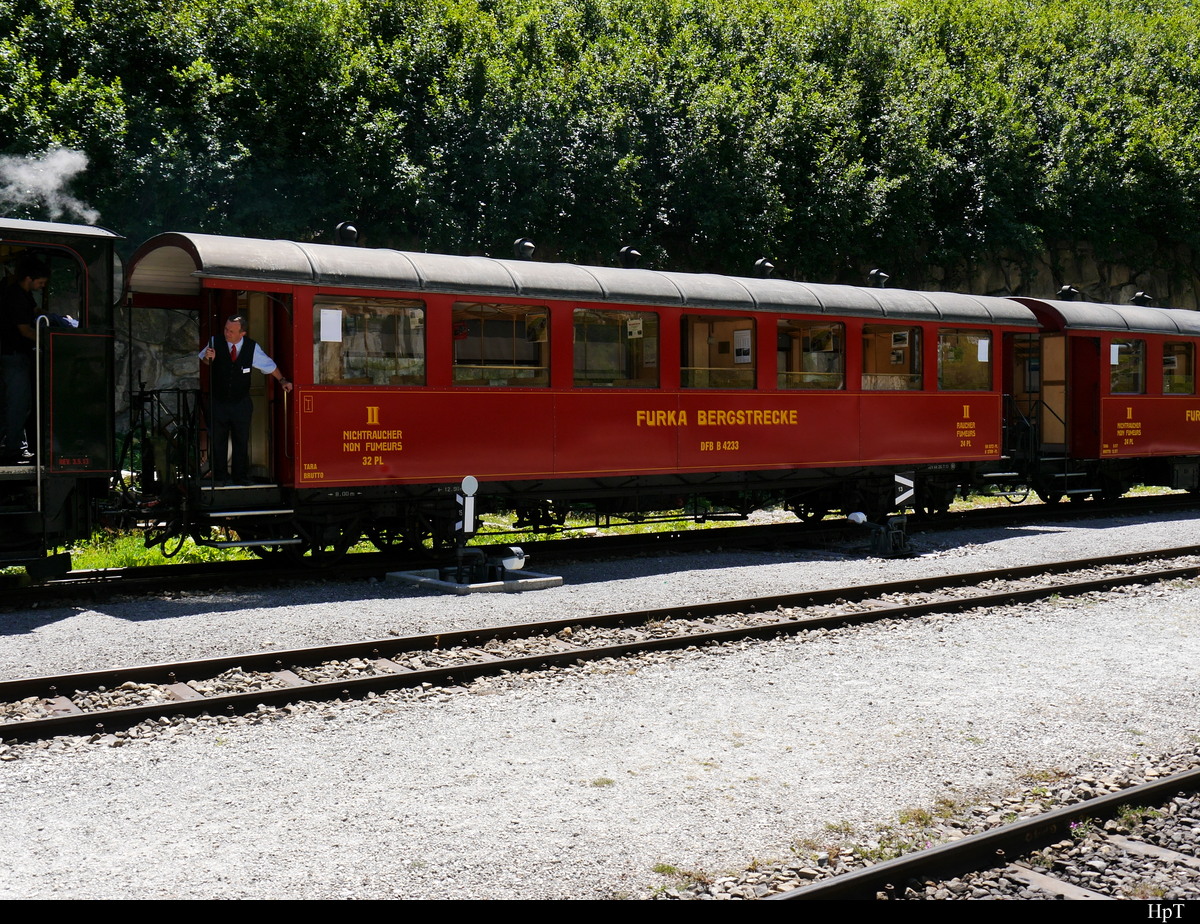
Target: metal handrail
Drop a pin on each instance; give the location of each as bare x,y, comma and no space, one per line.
287,426
39,457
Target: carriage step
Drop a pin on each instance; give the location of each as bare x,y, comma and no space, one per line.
253,543
251,513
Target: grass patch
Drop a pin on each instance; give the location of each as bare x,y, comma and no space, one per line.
129,551
1045,776
1131,816
681,879
916,816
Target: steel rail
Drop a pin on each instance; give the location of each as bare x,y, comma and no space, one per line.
157,673
274,662
990,849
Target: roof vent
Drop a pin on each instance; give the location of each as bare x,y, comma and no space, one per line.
523,248
763,268
345,234
877,279
1142,300
629,257
1068,293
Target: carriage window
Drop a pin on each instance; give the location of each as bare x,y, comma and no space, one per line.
1179,369
616,348
718,352
368,341
812,355
891,358
501,344
1127,363
964,360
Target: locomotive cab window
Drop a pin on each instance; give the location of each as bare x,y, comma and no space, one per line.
964,360
891,358
718,352
65,293
501,344
1179,369
1127,366
811,355
368,341
616,348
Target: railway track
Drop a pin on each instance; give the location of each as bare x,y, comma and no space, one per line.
1139,843
110,701
101,584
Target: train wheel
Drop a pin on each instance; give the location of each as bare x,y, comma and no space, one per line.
807,514
1048,497
934,501
396,539
331,546
277,553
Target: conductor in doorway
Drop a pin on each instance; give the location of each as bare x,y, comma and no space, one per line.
231,403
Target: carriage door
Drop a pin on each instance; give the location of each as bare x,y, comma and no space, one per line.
1083,397
267,314
1052,419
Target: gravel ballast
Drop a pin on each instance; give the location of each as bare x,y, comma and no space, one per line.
579,783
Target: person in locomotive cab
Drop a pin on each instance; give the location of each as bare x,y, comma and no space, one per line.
232,407
18,317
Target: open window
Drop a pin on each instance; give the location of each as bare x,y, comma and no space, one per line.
368,341
891,358
812,354
1127,367
1179,368
618,349
964,360
718,352
501,344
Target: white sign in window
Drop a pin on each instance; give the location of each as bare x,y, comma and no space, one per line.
331,325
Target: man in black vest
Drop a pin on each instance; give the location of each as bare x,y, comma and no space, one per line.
231,403
18,310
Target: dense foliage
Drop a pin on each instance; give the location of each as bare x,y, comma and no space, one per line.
825,134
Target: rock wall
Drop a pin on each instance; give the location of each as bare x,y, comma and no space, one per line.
163,345
1172,281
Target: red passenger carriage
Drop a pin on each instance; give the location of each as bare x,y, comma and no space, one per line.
559,385
1113,392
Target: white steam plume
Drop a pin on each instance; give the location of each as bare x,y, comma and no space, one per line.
30,182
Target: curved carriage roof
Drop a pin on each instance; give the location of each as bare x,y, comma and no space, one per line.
1128,319
20,227
176,264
